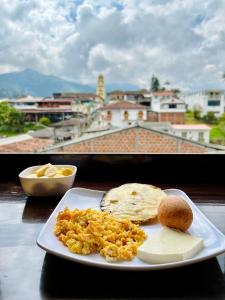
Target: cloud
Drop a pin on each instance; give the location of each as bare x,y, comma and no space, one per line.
127,40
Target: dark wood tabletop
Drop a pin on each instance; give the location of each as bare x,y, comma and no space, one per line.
28,272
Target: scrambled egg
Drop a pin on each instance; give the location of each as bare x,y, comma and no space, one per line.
88,231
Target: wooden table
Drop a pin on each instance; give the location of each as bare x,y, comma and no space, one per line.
28,272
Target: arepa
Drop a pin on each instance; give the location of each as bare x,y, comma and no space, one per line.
133,201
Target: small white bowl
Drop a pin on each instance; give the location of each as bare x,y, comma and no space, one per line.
46,186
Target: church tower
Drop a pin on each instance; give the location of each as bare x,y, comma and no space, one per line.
100,91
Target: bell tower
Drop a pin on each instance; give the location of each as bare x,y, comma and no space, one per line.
100,91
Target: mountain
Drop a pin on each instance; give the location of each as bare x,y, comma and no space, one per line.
30,82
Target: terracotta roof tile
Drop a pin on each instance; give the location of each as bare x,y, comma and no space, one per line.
30,145
124,105
163,93
191,126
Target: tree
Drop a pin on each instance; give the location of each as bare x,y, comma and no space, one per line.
222,118
45,121
197,114
176,91
223,76
10,118
167,83
155,84
210,118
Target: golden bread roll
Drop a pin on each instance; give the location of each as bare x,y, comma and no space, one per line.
174,212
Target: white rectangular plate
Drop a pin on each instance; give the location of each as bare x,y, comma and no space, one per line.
214,240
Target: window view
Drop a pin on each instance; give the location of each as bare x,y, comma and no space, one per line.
76,76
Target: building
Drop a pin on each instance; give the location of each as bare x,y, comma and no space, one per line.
133,139
207,101
116,96
162,106
124,113
166,107
35,108
196,132
24,143
139,96
69,129
78,96
100,90
57,108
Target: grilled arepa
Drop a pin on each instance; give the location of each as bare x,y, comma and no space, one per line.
133,201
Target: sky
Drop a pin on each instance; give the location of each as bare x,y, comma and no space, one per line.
180,41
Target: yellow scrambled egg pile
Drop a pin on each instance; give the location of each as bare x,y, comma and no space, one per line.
88,231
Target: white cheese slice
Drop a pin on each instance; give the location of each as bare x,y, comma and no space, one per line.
169,245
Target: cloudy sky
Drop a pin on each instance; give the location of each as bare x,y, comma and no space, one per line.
180,41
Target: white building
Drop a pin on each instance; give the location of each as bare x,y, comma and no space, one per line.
168,103
162,106
195,132
24,103
122,113
207,101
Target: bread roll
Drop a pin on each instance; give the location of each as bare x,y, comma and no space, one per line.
174,212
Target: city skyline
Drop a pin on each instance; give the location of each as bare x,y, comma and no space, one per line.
179,41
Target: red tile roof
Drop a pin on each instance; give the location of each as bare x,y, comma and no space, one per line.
47,110
26,146
117,92
124,105
191,126
163,93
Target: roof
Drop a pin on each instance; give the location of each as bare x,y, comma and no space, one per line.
23,101
163,93
14,139
70,122
155,125
116,92
173,100
57,100
46,110
123,105
30,145
190,127
96,135
137,92
75,95
51,133
28,98
44,133
214,90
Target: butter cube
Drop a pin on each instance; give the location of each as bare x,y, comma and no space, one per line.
41,171
51,171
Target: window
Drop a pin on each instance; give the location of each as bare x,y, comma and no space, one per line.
126,115
214,103
201,136
172,105
184,134
109,115
140,115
